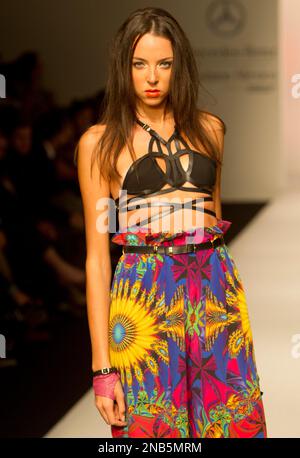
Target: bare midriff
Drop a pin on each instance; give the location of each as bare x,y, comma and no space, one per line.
179,220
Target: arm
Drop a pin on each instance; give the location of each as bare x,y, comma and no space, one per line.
98,276
98,263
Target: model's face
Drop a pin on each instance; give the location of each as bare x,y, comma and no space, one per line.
151,68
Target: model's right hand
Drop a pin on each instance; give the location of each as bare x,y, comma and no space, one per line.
112,412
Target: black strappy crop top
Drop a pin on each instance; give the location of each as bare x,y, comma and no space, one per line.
145,177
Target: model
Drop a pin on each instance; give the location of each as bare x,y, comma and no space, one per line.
172,347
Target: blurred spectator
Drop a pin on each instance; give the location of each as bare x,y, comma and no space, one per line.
53,132
25,86
82,115
42,237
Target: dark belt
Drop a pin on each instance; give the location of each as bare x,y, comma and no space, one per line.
170,250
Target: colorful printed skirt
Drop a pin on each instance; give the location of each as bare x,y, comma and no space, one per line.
180,336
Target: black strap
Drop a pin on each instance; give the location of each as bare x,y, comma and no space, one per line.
104,371
174,249
173,177
172,207
155,134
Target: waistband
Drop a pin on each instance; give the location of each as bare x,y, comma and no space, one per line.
175,249
143,236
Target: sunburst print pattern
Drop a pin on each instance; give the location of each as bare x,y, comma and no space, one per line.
180,336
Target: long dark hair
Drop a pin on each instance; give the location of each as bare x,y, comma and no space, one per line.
119,104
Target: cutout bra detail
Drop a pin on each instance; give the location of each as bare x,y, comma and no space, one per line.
145,177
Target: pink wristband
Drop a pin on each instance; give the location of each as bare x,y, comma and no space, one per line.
104,385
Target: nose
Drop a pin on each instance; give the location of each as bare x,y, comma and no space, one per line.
152,76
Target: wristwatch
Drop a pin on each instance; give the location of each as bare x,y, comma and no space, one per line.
105,370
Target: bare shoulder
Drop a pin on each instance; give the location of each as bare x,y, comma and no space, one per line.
88,142
96,129
212,121
86,147
92,135
215,128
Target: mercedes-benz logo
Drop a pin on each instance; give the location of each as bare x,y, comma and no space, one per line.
225,17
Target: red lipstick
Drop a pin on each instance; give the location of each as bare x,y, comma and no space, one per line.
152,92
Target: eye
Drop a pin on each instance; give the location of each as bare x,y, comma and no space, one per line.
167,64
136,64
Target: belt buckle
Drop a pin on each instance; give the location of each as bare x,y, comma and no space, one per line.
170,250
